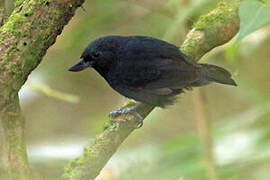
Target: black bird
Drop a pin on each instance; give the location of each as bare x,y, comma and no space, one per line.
146,69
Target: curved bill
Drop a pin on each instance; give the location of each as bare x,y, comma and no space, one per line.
79,66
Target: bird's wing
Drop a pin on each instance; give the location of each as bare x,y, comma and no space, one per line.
161,76
174,74
153,83
140,47
152,71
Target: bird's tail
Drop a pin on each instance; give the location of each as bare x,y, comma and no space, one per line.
211,73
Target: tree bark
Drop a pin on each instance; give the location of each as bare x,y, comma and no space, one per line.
211,30
24,39
2,9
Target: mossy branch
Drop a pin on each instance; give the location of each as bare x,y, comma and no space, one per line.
6,8
24,39
2,12
211,30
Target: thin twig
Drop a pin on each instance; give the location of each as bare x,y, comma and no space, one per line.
202,116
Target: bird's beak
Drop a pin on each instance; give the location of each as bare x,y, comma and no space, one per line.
79,66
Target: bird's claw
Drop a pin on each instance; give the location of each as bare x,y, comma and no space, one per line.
131,110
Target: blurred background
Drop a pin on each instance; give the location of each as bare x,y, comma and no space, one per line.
65,110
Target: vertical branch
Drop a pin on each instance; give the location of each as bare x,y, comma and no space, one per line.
3,153
2,139
15,149
202,116
21,50
2,12
13,156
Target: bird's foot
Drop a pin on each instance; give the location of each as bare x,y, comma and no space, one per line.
128,110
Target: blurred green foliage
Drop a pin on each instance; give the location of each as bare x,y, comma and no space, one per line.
167,146
253,15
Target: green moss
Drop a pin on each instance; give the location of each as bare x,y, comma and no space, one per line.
29,62
12,68
223,13
30,56
19,18
29,9
18,2
15,20
4,57
28,12
70,171
191,48
69,174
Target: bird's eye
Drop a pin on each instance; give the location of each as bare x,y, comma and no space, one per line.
96,54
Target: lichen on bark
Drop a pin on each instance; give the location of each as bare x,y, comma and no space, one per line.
220,25
24,39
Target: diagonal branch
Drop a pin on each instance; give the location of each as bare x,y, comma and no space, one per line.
24,39
211,30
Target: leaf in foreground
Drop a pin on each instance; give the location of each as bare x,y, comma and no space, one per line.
253,15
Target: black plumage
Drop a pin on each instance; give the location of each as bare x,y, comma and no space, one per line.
146,69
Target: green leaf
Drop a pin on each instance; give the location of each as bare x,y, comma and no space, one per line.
253,15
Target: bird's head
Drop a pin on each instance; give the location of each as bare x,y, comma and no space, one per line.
99,54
